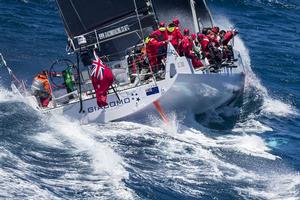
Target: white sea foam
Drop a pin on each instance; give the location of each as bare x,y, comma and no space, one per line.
251,126
274,187
189,154
7,96
106,164
274,184
278,108
247,144
48,139
14,181
270,106
14,187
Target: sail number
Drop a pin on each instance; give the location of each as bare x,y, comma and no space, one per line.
114,32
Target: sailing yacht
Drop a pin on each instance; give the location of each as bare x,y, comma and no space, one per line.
115,29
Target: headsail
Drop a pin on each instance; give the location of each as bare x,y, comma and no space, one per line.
98,21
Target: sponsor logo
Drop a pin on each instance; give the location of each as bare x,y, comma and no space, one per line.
111,104
114,32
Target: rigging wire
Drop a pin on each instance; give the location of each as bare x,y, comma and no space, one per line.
141,28
139,20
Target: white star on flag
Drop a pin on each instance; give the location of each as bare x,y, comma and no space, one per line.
98,70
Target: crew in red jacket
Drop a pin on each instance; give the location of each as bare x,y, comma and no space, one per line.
228,36
214,36
186,49
162,35
204,41
161,32
152,49
186,44
174,34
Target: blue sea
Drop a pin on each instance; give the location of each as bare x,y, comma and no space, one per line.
51,157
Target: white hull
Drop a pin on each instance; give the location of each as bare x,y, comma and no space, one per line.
188,90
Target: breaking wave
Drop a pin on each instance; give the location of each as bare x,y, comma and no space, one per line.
44,156
254,90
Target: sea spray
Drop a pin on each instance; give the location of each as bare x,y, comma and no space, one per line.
270,105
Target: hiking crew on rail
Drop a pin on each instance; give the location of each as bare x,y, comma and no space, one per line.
208,48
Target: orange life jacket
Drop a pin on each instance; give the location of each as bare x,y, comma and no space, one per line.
44,80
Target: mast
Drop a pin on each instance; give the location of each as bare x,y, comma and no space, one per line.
194,14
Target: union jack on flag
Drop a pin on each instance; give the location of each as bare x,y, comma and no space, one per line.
98,69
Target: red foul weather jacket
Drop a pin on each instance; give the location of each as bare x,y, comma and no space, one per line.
214,39
204,43
161,33
152,48
175,36
186,46
227,37
186,49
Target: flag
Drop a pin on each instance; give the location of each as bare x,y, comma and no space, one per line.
98,69
102,79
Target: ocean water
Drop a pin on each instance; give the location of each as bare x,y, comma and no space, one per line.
259,158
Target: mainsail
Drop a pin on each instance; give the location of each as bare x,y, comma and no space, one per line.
106,22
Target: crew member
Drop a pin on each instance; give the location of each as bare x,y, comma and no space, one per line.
186,47
206,46
161,32
41,88
204,41
174,34
215,30
214,36
228,36
152,49
162,35
186,44
196,46
176,22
